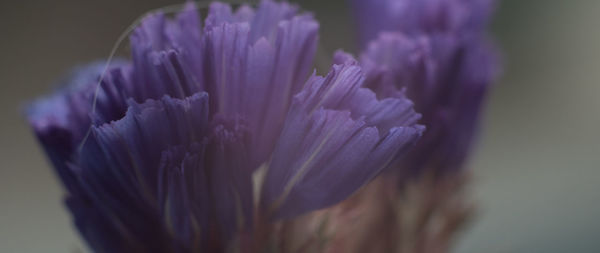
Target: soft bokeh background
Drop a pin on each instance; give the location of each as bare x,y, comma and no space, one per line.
537,164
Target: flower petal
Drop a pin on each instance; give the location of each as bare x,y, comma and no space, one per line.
257,80
267,19
221,13
61,120
333,142
230,176
120,165
184,198
394,61
167,56
453,102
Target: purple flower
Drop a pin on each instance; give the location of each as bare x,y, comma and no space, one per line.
435,52
209,131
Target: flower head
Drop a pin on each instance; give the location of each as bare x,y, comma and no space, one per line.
210,131
435,52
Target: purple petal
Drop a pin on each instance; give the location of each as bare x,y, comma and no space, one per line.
256,80
221,13
167,56
452,106
394,62
120,165
228,159
333,142
267,19
62,119
184,200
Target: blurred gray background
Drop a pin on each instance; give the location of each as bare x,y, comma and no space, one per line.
537,163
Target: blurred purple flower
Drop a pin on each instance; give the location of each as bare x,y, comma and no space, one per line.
421,17
177,134
435,51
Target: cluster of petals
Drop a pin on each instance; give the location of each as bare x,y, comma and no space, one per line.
213,126
435,52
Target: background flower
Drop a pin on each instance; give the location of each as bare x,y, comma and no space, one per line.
437,52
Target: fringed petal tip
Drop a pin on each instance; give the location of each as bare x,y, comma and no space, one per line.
75,91
335,139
